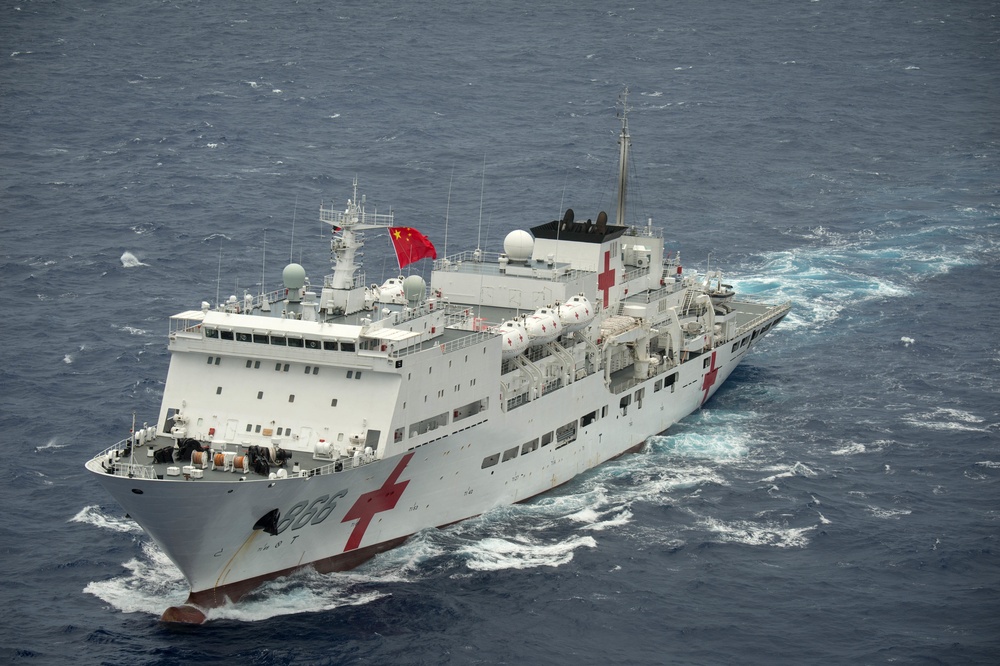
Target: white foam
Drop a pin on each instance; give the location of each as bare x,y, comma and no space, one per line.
945,418
151,585
129,260
493,554
758,534
93,515
51,444
303,592
893,514
907,341
599,522
850,449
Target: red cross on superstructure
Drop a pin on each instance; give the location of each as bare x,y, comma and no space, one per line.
606,280
710,377
376,501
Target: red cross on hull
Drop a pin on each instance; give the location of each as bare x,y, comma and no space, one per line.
375,501
710,377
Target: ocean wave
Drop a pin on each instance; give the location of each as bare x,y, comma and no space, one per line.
94,515
757,534
838,271
129,260
495,553
51,444
151,585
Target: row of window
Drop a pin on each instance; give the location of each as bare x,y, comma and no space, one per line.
291,396
279,367
435,422
750,338
564,434
281,340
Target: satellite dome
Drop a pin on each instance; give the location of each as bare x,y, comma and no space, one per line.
294,276
414,288
518,245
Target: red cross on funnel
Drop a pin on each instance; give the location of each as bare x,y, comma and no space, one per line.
376,501
606,280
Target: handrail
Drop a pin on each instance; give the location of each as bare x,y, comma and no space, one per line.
771,313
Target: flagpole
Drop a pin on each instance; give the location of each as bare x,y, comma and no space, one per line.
447,210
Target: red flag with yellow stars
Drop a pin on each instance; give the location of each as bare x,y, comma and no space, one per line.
410,245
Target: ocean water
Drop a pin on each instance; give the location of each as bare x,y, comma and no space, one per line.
835,502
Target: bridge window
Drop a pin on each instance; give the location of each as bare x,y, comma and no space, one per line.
279,340
471,409
433,423
510,453
330,345
528,447
566,434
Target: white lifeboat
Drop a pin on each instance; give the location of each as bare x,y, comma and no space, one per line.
515,338
391,291
576,313
542,326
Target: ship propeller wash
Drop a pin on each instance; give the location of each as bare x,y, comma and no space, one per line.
318,426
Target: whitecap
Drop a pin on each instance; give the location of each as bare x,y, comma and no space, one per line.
888,513
494,554
93,515
907,341
51,444
129,260
850,449
758,534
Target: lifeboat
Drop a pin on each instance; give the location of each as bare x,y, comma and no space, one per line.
542,326
391,291
576,314
515,338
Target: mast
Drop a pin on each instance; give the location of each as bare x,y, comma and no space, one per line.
624,143
347,241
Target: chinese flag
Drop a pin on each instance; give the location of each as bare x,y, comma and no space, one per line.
410,245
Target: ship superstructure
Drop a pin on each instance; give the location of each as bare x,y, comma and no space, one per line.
318,426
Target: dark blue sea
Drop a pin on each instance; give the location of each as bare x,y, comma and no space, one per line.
838,500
